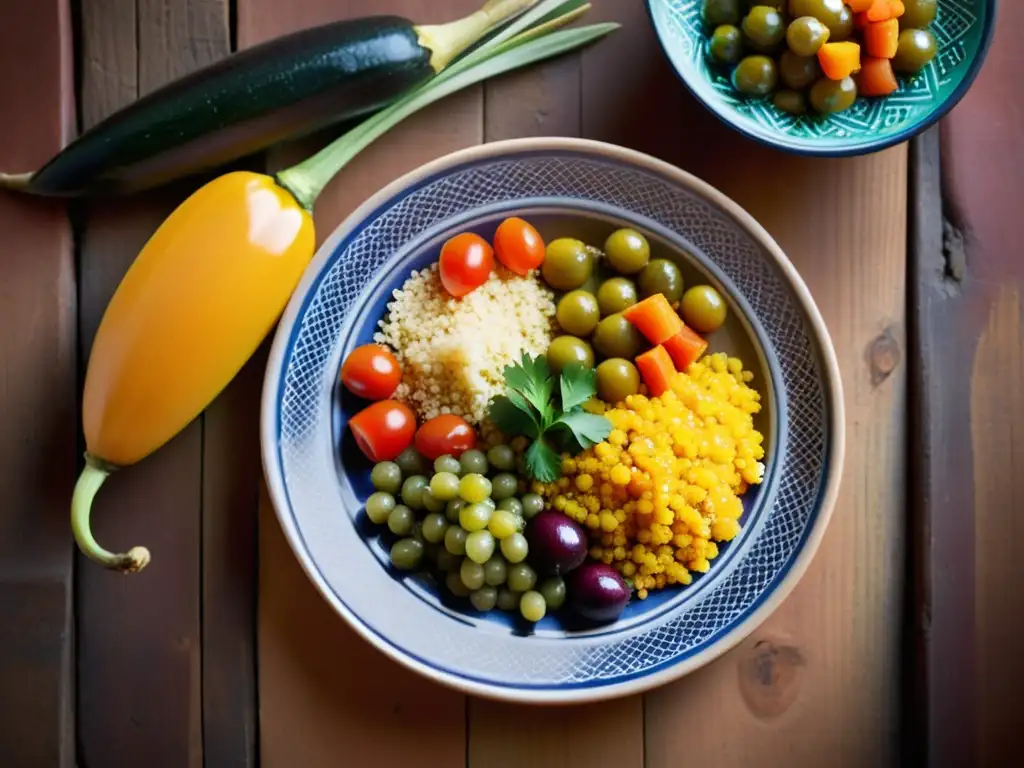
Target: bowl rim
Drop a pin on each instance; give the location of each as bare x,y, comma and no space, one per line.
832,383
988,32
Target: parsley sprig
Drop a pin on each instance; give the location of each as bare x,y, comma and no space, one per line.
554,422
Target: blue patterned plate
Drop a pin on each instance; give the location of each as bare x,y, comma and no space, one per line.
318,481
963,29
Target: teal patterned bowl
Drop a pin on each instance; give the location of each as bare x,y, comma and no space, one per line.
963,29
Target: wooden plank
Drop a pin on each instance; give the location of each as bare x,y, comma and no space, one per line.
968,279
820,678
37,397
140,639
324,692
545,100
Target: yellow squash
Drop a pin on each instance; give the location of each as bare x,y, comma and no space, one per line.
198,300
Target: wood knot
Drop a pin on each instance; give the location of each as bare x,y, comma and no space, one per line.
770,677
883,356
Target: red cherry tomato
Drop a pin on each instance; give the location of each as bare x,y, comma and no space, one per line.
466,262
371,371
445,434
518,245
383,430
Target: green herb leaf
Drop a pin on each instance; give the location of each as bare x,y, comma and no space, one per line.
542,462
532,378
578,385
513,415
588,429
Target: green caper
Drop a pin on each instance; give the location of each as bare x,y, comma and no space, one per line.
406,554
412,491
715,12
553,590
615,336
661,276
627,251
567,264
798,72
511,504
504,486
411,462
578,313
401,520
806,35
453,509
615,295
387,477
379,507
448,464
473,462
831,96
484,599
726,44
434,527
915,48
495,571
508,600
763,28
755,76
502,457
792,102
533,505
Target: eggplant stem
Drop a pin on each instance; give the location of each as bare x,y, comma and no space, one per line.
16,181
446,41
89,482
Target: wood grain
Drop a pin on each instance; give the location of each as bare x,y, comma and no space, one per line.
37,397
968,281
325,694
140,648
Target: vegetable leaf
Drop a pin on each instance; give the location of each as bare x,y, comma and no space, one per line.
587,429
578,385
532,378
513,415
542,462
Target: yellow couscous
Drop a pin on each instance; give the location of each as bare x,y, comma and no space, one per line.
664,488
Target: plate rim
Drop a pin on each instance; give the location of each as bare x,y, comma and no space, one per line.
835,449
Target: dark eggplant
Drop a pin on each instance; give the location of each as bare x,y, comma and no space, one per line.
283,89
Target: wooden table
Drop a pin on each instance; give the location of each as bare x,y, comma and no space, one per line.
900,641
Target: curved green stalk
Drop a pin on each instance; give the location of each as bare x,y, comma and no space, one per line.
446,41
89,482
18,181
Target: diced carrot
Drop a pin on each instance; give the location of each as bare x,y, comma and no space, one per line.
876,77
839,60
881,38
880,10
657,370
860,20
685,347
654,318
898,8
859,6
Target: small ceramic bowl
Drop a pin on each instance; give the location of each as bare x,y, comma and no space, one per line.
963,29
319,481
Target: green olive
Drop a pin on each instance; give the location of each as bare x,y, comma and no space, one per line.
831,96
798,72
661,276
843,28
703,308
616,380
715,12
806,35
615,336
627,251
406,554
578,313
831,13
567,264
755,76
568,349
918,14
791,102
615,295
726,44
763,28
916,47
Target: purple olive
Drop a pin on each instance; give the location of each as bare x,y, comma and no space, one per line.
557,544
597,592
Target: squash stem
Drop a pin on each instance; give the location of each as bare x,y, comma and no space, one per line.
89,482
446,41
17,181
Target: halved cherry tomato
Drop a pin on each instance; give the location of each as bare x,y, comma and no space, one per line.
466,262
383,430
445,434
518,245
371,371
